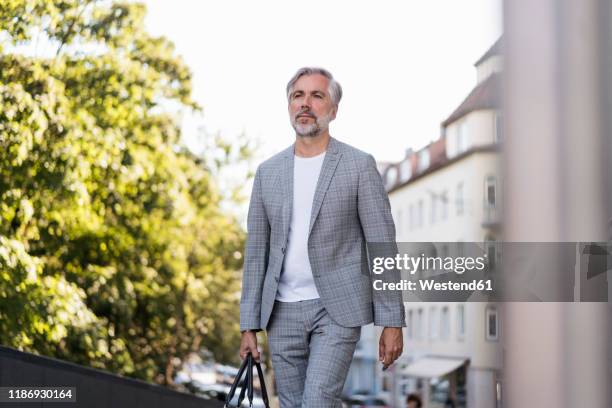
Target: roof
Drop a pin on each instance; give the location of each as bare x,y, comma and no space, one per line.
437,156
490,148
382,165
437,152
496,49
485,95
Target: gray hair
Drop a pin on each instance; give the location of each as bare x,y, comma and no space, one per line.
334,88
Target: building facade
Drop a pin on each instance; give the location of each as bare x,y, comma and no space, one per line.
448,192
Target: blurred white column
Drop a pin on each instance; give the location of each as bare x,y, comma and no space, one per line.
556,189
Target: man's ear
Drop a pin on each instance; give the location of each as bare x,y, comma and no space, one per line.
334,112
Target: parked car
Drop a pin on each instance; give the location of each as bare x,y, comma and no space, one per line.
364,401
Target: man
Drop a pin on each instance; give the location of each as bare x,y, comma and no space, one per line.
414,401
313,208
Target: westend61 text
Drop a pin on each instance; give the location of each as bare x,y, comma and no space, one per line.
430,284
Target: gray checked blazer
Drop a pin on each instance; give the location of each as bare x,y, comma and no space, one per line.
350,208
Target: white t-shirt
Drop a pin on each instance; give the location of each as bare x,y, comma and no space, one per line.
296,282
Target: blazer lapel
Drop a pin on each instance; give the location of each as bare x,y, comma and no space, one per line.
332,157
286,179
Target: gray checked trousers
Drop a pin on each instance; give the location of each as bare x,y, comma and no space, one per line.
311,354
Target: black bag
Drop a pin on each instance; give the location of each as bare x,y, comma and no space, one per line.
247,384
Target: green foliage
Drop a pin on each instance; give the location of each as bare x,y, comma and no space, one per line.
115,251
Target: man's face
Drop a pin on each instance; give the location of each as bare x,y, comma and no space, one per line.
310,105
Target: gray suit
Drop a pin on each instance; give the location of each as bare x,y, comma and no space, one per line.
350,208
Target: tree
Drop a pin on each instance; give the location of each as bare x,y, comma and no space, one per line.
115,250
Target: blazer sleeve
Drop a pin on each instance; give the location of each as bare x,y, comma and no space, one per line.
378,228
255,259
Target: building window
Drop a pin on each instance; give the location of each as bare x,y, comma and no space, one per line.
444,204
423,159
499,128
492,324
444,324
405,170
419,324
459,200
460,248
420,214
444,251
439,391
434,209
490,191
462,137
434,323
411,218
410,328
492,255
460,322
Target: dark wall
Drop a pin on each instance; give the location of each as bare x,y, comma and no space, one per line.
94,388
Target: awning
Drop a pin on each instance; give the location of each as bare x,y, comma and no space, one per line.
432,367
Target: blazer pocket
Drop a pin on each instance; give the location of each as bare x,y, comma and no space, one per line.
351,270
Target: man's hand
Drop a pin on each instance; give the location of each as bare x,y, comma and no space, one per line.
390,346
248,343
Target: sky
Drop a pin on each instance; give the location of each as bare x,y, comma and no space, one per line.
404,65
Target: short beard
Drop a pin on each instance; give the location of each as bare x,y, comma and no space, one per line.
313,129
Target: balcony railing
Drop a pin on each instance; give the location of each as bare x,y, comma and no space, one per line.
491,216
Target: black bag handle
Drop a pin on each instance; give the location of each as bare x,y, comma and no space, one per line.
247,385
250,379
243,390
232,390
262,384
